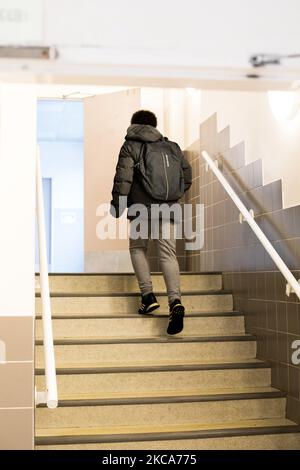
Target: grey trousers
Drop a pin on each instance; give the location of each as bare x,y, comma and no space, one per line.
166,249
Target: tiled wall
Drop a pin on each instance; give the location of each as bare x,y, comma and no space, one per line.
16,383
231,247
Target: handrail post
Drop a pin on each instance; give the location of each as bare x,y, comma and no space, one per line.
50,396
291,280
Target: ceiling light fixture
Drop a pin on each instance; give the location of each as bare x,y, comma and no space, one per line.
285,105
261,60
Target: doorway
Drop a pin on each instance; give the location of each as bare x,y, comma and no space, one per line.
60,138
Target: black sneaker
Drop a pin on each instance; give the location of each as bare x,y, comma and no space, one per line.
149,303
176,317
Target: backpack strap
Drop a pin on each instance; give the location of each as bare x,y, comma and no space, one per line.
142,151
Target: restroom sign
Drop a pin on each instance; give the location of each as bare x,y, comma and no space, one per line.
21,22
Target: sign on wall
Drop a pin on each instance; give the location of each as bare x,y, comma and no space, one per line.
21,22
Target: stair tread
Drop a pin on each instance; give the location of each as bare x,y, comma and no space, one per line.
151,339
164,429
126,316
60,340
117,274
142,365
201,393
133,294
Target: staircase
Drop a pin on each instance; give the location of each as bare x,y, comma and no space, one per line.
124,384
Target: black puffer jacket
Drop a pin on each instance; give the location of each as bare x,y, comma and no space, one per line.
126,180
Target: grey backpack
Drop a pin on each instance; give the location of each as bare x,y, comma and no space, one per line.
160,169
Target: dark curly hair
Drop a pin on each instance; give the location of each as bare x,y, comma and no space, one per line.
144,117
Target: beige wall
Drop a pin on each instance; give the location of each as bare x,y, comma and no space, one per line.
106,119
178,111
276,143
17,198
17,209
249,115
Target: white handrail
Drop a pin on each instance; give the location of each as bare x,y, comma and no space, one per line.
50,395
291,280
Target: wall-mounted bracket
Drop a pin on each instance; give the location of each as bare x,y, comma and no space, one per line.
289,290
242,218
207,165
40,397
2,352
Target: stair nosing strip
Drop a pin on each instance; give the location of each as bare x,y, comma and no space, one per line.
272,394
156,273
159,368
158,340
130,294
80,316
183,435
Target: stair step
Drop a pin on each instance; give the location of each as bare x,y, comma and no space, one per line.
282,440
167,396
118,371
149,380
182,410
230,313
90,304
170,436
166,366
136,294
150,339
121,351
128,283
142,326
